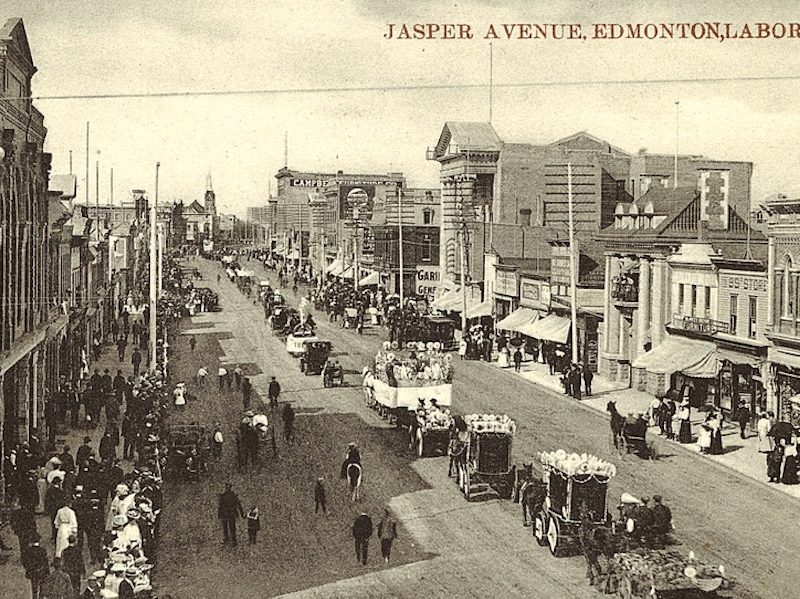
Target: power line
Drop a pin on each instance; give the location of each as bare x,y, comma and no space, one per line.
401,88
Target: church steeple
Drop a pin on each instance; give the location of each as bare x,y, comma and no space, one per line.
211,198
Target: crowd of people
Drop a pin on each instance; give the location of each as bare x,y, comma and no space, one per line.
430,364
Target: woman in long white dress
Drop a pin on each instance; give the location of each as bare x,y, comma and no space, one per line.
502,358
66,524
764,442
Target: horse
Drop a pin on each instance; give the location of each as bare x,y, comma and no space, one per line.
617,425
354,472
531,494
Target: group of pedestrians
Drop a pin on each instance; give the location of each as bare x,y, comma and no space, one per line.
363,530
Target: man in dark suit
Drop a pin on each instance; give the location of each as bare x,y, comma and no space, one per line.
362,531
37,567
230,508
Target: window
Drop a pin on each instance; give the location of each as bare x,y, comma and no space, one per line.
427,216
707,306
427,248
680,300
734,310
525,217
694,300
752,312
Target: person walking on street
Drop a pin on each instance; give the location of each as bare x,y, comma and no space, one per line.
387,533
319,496
230,508
216,443
288,423
37,568
58,584
587,381
122,342
72,558
253,524
192,343
222,374
274,391
362,531
136,360
517,360
247,393
743,418
202,373
237,377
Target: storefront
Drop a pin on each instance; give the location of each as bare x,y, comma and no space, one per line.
506,291
785,375
741,380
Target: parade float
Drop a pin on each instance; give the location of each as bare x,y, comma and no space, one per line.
577,490
402,379
303,333
429,430
666,574
482,453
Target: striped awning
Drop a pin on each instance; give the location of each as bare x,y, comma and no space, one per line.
521,317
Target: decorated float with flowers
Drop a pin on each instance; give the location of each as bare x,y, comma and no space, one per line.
577,491
667,574
403,377
482,452
429,429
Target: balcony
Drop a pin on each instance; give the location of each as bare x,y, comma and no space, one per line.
624,290
697,324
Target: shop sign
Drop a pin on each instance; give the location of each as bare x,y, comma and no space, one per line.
535,293
426,281
742,283
505,283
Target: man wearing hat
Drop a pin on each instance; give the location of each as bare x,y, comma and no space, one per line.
72,558
362,531
662,519
230,508
58,584
127,584
34,560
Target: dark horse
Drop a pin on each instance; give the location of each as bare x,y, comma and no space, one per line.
617,424
530,493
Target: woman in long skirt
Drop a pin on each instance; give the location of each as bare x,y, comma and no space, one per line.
684,417
764,443
715,424
774,463
790,465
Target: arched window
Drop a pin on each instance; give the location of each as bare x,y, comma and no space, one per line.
788,300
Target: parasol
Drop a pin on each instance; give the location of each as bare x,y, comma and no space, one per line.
781,429
516,341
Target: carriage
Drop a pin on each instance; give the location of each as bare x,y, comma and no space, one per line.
577,491
428,428
332,375
666,574
483,464
181,440
297,342
634,439
315,356
280,317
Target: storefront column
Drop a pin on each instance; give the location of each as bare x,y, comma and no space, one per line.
612,317
643,311
771,282
658,302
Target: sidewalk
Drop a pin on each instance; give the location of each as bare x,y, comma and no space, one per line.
740,455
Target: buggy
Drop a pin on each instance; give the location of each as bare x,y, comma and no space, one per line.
188,448
577,488
313,360
483,462
634,439
332,375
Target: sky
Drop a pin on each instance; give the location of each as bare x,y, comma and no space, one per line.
85,47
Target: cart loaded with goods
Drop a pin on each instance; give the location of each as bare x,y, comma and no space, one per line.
666,574
482,451
577,489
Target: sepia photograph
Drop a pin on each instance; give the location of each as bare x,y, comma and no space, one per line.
350,299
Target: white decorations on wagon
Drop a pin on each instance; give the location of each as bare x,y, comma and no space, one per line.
432,417
490,423
577,463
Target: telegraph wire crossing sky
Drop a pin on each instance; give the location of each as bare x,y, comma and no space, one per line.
155,81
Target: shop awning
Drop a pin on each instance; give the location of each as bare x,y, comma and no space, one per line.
334,268
447,298
783,357
278,249
737,357
694,358
373,278
348,273
550,328
520,317
480,310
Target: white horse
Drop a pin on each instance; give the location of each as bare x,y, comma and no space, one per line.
354,472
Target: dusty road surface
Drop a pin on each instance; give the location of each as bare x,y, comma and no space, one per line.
447,547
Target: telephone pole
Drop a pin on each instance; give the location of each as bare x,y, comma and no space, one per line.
572,268
153,278
400,239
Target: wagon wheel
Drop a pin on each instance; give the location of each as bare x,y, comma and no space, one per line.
420,444
554,536
540,529
466,482
624,446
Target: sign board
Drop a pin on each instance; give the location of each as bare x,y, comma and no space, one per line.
356,202
743,283
426,281
505,283
535,294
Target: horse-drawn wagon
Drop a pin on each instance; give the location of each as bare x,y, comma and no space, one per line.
429,429
188,448
666,574
315,356
577,490
482,454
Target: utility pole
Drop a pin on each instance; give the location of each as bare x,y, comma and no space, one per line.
87,165
300,251
400,239
153,278
111,187
572,264
355,248
677,123
97,198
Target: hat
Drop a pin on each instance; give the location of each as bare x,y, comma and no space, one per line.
118,567
119,520
657,498
132,572
249,413
99,573
134,514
